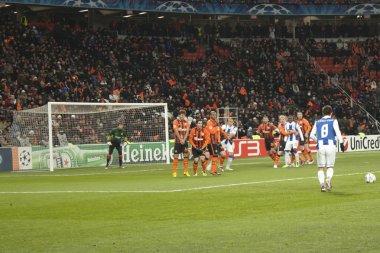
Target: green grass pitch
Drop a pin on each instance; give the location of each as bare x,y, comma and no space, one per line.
142,208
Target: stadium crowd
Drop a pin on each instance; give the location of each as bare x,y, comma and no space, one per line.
257,76
181,28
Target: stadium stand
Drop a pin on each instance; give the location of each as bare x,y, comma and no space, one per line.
260,76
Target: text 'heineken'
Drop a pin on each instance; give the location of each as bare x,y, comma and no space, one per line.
144,153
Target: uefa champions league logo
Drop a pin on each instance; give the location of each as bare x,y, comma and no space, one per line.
364,9
269,9
176,6
85,3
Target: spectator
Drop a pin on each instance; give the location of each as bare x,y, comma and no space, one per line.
258,76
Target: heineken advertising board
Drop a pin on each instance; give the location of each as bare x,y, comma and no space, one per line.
72,156
95,155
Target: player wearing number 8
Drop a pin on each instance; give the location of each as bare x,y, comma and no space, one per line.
116,138
324,132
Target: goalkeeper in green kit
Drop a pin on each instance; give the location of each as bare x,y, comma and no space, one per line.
116,139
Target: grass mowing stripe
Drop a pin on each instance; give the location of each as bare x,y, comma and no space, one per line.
262,160
183,190
284,216
50,174
105,172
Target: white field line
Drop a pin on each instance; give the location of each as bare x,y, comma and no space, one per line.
180,190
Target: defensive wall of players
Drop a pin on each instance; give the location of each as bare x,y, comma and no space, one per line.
37,157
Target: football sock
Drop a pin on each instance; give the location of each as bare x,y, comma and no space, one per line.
195,166
310,156
186,163
108,160
277,159
221,161
321,177
287,157
292,159
229,160
175,164
120,160
304,153
329,173
209,165
213,164
204,164
297,157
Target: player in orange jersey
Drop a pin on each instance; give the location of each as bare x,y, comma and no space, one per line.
181,129
265,130
281,130
199,139
215,147
305,128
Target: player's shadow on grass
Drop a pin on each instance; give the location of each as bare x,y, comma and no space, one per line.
340,194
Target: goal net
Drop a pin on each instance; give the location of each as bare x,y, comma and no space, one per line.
70,135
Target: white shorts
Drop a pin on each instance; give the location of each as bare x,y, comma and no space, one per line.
291,145
326,156
228,147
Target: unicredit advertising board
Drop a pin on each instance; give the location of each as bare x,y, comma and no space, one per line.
251,148
354,143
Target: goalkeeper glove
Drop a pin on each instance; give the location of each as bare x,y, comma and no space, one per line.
109,143
342,147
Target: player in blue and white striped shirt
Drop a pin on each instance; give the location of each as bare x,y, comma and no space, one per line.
324,132
228,144
291,141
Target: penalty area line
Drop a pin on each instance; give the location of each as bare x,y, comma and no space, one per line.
181,190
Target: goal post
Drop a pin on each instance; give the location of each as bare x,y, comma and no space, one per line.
51,146
74,134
